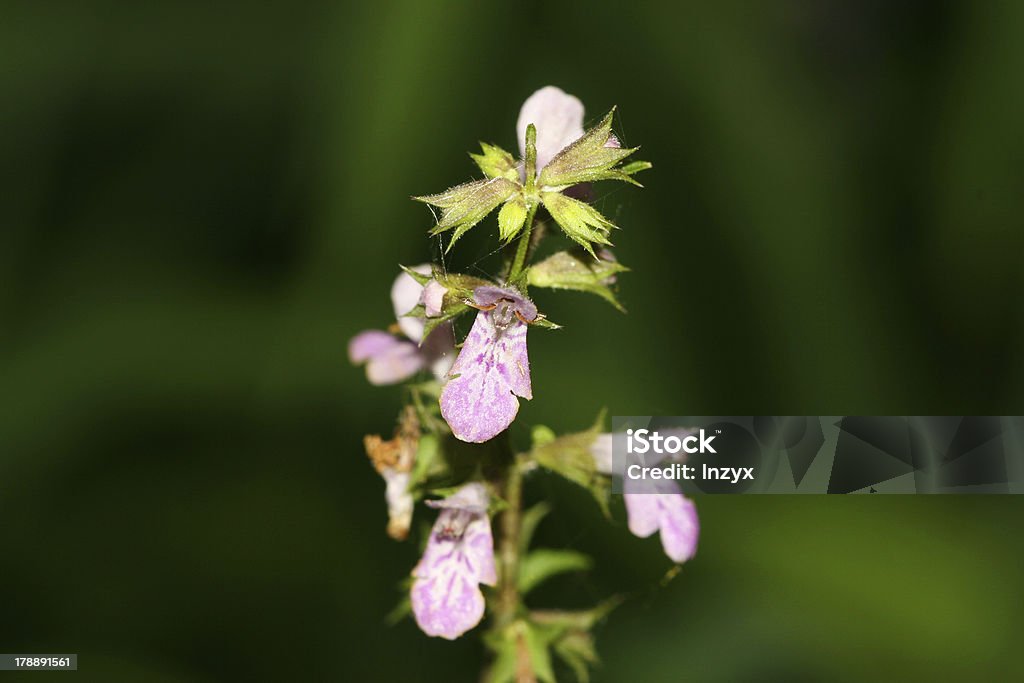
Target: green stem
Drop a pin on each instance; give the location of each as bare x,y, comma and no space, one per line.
519,261
508,591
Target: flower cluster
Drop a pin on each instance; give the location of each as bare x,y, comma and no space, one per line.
452,444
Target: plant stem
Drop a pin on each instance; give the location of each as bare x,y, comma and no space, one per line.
508,598
524,245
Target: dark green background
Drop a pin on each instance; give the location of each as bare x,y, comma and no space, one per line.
203,203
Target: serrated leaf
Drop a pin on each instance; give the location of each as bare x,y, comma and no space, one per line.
511,218
580,221
590,159
543,563
495,162
465,205
572,270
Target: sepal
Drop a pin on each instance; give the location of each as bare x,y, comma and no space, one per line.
495,162
591,158
572,270
463,206
581,222
570,456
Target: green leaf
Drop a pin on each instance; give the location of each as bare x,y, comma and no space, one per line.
543,563
577,651
635,167
588,159
427,459
529,522
570,457
417,276
545,323
578,620
495,162
572,270
540,658
581,222
541,435
458,285
511,218
465,205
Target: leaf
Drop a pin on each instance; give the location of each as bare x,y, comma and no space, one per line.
426,459
529,522
570,457
458,285
581,222
419,277
495,162
573,270
577,651
540,658
590,159
465,205
543,563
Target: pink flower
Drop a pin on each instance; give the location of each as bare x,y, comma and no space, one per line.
391,359
479,400
658,505
446,597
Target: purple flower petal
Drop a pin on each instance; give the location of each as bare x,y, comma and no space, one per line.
395,364
558,118
479,401
368,344
446,598
405,294
673,514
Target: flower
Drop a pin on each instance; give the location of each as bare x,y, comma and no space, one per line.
390,359
558,118
393,460
561,160
446,598
659,506
479,400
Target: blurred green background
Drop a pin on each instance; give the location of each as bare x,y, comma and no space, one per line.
204,202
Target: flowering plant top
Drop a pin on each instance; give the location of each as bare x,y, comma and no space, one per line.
452,448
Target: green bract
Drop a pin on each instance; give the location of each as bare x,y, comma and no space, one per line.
581,222
595,156
573,270
464,206
495,162
588,160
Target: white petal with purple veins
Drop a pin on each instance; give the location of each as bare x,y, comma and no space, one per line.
446,598
493,367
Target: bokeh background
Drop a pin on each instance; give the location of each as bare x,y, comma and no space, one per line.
203,202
